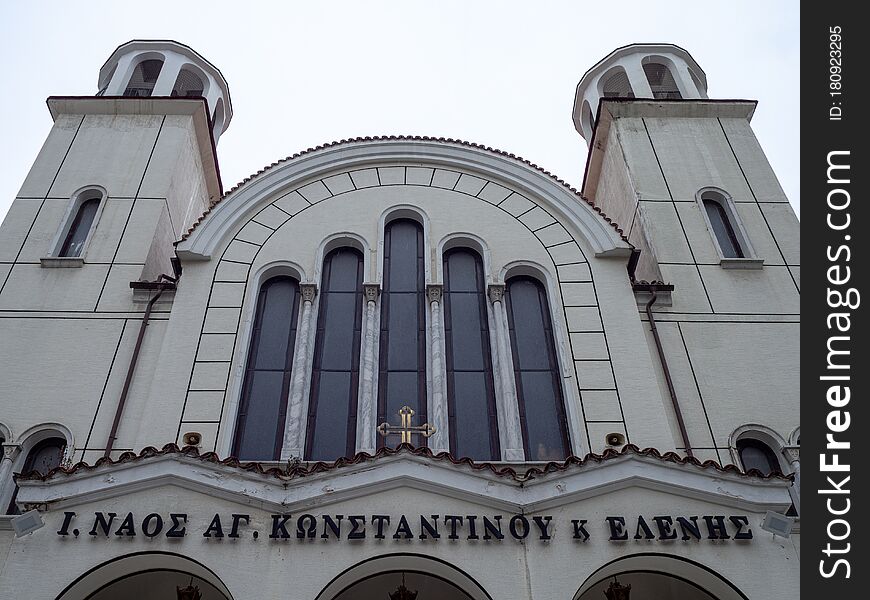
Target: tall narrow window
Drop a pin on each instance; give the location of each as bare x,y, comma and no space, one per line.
536,369
402,379
43,457
144,77
755,454
335,377
661,81
723,229
470,389
80,228
263,407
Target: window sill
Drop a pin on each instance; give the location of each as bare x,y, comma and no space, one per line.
62,262
741,263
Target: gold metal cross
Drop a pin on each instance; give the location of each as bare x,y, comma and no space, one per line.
406,429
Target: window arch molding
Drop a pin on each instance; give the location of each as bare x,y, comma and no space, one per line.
395,213
26,442
606,78
463,240
579,445
763,434
195,70
675,73
715,194
134,63
77,199
229,422
343,239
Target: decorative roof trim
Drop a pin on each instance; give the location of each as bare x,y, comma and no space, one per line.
313,468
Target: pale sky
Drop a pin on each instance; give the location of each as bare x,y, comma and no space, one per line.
498,73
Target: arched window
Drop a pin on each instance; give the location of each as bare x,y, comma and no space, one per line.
721,222
80,228
263,407
402,378
616,85
661,81
536,370
144,77
755,454
187,85
43,457
470,388
335,377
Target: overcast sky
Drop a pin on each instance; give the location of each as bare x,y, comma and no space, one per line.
501,73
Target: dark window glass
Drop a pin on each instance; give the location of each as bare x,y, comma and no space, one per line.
470,390
536,370
402,379
80,228
661,81
144,77
335,377
755,454
723,229
43,457
260,426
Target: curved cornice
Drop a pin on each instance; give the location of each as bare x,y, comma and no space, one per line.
217,225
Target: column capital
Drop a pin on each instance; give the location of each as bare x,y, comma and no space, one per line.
309,291
372,291
792,454
10,451
434,291
495,291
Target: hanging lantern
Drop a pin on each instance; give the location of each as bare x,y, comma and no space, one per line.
403,593
191,592
617,591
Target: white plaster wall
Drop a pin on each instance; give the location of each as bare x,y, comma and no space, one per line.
302,568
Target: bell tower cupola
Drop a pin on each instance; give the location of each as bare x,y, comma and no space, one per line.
656,71
164,68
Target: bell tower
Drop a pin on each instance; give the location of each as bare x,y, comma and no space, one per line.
718,263
122,175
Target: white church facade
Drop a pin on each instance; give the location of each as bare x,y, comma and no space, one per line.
399,367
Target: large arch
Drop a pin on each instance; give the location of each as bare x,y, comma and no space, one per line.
398,563
690,576
317,167
101,582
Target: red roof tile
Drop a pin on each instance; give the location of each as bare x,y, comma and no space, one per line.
306,469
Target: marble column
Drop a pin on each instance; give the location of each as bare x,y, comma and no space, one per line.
7,486
510,431
366,437
793,455
296,420
438,415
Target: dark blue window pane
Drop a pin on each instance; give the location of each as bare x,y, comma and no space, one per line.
265,398
472,416
275,324
332,415
331,430
403,389
80,228
403,334
263,407
722,229
470,391
542,411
